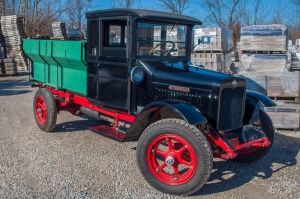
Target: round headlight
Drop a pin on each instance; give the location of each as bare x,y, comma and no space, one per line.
137,75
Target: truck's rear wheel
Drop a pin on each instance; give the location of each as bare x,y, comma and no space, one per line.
45,110
174,157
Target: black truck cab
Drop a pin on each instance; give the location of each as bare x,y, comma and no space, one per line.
120,39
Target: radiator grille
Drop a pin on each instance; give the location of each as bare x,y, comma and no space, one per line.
174,95
231,108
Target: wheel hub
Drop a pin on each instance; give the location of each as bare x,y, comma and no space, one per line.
169,161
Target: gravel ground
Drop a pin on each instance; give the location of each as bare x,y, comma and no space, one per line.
74,162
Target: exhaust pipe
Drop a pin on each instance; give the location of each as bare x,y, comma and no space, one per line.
95,114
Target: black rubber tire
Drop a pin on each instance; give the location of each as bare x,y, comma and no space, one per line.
195,138
269,130
51,118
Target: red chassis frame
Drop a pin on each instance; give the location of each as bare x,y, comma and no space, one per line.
223,149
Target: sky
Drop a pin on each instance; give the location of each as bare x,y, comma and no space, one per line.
195,9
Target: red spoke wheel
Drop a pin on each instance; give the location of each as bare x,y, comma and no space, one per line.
171,159
174,157
45,110
40,110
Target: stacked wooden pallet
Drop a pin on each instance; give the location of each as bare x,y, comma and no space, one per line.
271,72
212,39
217,61
285,116
13,32
10,66
268,63
214,51
59,30
267,38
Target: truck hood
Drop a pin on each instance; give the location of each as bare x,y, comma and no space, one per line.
184,74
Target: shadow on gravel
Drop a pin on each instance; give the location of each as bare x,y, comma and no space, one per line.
13,92
77,125
14,87
228,175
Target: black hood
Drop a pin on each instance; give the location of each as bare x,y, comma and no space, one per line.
182,73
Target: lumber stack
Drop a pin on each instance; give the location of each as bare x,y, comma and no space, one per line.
10,66
217,61
213,39
59,30
264,58
13,33
271,72
215,50
264,38
285,116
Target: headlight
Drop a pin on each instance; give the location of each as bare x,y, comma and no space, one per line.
137,75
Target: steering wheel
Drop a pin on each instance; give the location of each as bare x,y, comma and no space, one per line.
154,51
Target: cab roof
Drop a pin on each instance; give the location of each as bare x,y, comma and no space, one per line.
143,14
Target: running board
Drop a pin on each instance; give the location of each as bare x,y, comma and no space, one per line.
109,132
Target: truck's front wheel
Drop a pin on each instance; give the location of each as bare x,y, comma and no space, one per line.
174,157
45,110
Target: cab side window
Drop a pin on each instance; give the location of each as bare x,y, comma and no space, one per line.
114,38
93,38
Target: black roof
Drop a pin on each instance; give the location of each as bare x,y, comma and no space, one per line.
144,14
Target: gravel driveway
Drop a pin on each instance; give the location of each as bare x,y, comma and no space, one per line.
74,162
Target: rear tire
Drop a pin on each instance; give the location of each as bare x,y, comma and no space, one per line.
45,110
182,164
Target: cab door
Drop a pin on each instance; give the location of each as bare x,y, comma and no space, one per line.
113,64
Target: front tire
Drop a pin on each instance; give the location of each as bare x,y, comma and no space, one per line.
174,157
45,110
248,156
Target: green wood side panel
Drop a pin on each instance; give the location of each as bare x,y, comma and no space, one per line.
57,63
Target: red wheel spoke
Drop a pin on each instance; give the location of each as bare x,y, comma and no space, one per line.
175,168
162,166
182,149
160,153
170,144
183,161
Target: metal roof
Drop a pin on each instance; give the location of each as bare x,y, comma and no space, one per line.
144,14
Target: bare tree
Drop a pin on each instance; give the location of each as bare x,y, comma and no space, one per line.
222,13
76,10
2,7
253,12
175,6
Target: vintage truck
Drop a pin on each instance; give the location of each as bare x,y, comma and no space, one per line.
134,73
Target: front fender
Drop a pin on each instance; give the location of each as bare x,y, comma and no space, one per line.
266,101
161,110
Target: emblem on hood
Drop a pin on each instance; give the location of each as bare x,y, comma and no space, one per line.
234,83
179,88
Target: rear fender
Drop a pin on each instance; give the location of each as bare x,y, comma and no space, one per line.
161,110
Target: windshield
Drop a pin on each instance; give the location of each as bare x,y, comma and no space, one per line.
160,39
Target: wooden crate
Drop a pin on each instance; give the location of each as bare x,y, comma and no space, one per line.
280,84
285,116
217,61
264,38
212,39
